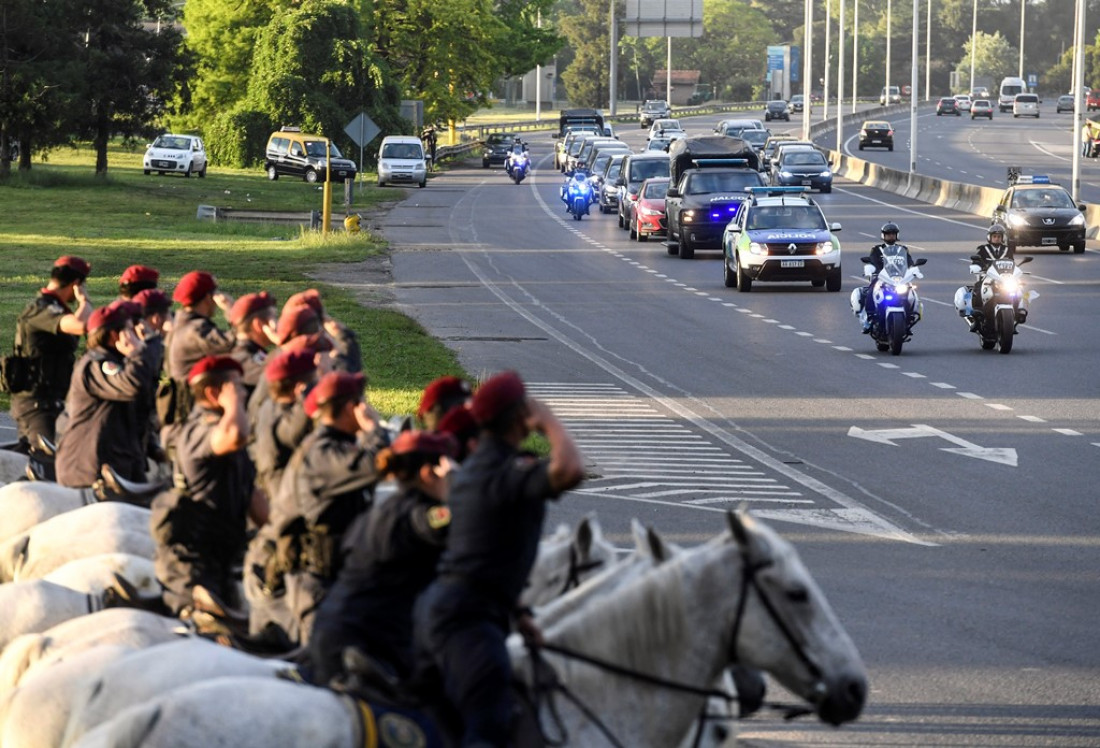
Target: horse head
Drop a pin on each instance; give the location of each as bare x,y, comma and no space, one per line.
565,559
785,626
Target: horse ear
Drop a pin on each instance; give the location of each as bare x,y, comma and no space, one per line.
640,534
582,539
737,521
657,547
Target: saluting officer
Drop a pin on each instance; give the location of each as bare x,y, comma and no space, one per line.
347,356
136,279
439,397
329,482
497,502
47,333
298,328
194,334
282,423
199,526
155,314
459,423
104,426
394,550
253,320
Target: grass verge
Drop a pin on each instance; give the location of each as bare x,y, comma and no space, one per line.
60,207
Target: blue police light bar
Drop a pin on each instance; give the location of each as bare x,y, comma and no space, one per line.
1033,179
775,190
719,161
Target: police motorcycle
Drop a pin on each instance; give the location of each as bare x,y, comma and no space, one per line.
1003,302
577,194
896,307
518,164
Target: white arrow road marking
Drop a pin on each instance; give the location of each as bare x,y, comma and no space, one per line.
1002,455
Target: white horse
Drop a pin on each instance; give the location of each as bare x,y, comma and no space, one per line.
95,574
34,606
106,527
745,598
24,504
565,559
13,466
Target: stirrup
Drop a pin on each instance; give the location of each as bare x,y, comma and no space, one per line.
44,446
113,487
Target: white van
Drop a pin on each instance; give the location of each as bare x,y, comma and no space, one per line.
1026,105
891,96
1009,88
401,159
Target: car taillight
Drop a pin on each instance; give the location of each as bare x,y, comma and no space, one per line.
890,132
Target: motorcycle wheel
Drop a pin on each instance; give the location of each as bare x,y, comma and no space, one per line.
1006,329
896,333
882,347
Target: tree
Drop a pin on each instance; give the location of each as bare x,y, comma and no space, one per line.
994,57
587,32
732,52
128,71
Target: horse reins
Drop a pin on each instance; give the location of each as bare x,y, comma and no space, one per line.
748,581
576,568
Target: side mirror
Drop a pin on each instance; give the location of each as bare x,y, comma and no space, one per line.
1081,207
975,259
865,260
1025,260
834,227
920,262
620,182
672,192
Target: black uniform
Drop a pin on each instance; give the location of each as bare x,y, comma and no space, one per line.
987,254
105,425
497,503
277,431
392,553
349,357
52,355
879,261
253,359
328,483
199,525
192,337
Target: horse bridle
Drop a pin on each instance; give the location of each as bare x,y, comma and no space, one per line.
748,581
576,568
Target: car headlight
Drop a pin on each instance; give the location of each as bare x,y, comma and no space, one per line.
1077,220
651,212
786,174
823,248
1018,220
688,216
758,249
826,173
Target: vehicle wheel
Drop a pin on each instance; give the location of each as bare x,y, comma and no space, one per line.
744,282
988,343
633,231
1006,329
834,282
621,225
1015,116
687,252
424,183
187,174
882,347
271,173
147,171
312,176
202,174
938,113
897,334
160,173
890,148
826,190
484,164
729,278
1079,248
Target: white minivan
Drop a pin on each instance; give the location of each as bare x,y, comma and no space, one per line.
1026,105
401,159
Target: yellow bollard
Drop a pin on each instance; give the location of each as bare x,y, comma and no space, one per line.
351,223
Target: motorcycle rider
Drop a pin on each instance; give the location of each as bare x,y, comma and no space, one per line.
994,249
574,183
889,232
519,150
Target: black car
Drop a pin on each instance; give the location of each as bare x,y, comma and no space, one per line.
777,109
703,201
876,132
497,147
653,110
948,105
1037,213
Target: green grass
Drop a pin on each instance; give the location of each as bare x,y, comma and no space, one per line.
60,207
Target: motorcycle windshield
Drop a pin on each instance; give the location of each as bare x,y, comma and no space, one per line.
895,261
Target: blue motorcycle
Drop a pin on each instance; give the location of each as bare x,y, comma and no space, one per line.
577,194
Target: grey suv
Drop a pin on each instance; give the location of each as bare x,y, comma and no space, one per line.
653,110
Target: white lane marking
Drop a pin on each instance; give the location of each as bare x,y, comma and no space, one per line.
1040,148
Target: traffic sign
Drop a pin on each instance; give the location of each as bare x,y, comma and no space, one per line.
362,130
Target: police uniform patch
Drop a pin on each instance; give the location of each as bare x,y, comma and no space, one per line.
56,308
110,368
439,516
259,357
398,731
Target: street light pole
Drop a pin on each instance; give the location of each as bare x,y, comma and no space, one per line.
1023,6
840,82
1078,87
913,98
927,55
855,56
973,41
807,68
828,59
889,34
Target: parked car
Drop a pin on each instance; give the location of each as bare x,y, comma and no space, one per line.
963,101
981,108
797,102
1065,104
776,109
802,167
401,159
1037,213
648,217
497,147
876,133
947,105
175,154
1026,105
653,110
293,153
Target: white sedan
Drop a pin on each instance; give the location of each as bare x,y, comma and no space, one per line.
179,154
963,101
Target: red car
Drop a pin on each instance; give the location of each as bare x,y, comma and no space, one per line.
1092,101
648,217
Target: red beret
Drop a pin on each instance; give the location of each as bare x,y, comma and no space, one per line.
459,422
114,315
286,364
194,287
443,388
318,342
300,320
424,442
139,273
333,385
79,264
496,395
152,300
310,297
207,364
250,304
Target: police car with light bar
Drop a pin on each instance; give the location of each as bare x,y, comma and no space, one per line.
780,234
705,199
1038,213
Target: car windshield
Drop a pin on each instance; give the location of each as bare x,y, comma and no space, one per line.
876,125
667,124
658,144
723,181
172,143
756,137
1042,199
655,106
804,158
655,190
614,168
646,168
786,217
497,138
317,148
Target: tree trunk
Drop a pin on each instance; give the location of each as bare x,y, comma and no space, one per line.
102,133
25,155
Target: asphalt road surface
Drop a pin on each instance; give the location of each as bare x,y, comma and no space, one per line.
944,499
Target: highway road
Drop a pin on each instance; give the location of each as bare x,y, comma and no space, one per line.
980,151
945,499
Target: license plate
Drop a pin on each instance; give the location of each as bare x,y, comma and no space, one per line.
791,263
1049,240
805,182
